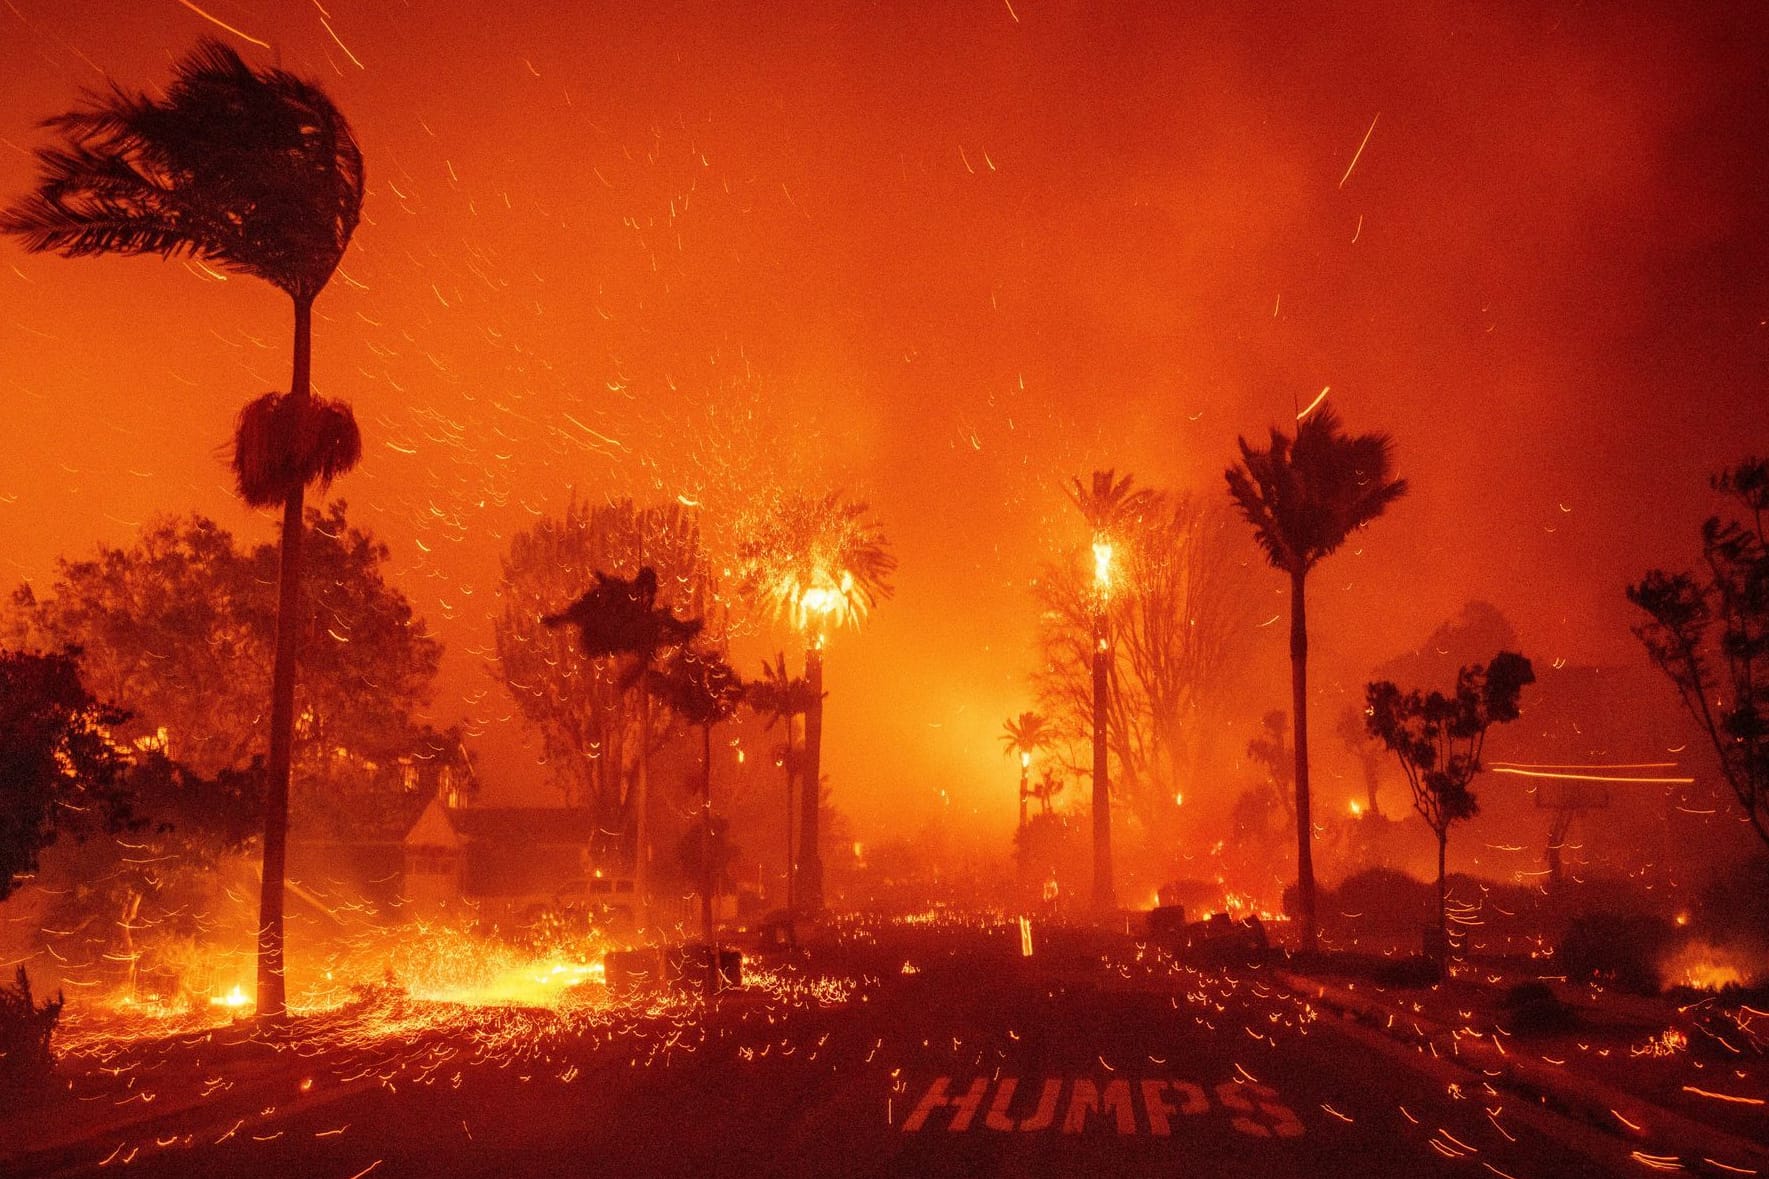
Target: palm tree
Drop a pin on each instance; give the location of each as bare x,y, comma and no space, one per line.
1304,496
257,172
1109,505
619,619
1048,787
782,697
702,689
1024,736
821,563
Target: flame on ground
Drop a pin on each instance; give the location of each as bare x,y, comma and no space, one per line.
1704,967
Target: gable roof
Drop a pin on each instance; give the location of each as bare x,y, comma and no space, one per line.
508,826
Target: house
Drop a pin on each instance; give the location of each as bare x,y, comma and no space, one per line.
504,865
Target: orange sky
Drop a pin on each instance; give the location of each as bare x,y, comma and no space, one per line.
947,255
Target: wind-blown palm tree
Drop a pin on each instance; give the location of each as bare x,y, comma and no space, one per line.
1110,505
1024,735
821,563
257,172
702,689
1304,496
782,698
620,619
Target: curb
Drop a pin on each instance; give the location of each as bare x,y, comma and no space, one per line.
1590,1102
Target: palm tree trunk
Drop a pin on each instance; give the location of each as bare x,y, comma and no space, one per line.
706,860
789,777
272,993
1104,897
1022,797
1299,707
810,865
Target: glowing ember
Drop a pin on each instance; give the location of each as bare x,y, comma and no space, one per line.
1667,1043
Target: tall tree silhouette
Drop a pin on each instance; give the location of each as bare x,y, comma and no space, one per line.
1109,505
821,563
782,698
619,619
702,689
258,172
584,719
1180,625
1710,634
1439,739
1024,735
1304,496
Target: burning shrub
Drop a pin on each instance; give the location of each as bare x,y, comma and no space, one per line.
1699,965
1624,949
25,1028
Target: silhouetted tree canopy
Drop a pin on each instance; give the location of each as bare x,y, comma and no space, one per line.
1709,632
580,705
179,629
698,686
60,771
253,170
1439,738
143,899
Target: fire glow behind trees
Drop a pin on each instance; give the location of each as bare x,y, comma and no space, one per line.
947,260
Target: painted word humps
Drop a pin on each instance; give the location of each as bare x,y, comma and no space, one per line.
1253,1108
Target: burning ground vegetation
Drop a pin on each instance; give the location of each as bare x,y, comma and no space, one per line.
172,1023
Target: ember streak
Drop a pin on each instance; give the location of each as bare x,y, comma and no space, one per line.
785,340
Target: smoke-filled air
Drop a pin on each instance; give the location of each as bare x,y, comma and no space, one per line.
997,588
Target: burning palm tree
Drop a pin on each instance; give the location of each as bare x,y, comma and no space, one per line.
620,619
820,563
257,172
1024,735
1109,505
1304,496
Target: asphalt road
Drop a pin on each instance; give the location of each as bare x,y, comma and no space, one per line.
953,1055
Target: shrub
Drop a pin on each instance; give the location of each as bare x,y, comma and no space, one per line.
1414,971
1534,1008
1620,948
25,1028
1734,908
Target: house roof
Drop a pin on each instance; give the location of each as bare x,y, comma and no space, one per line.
505,826
524,825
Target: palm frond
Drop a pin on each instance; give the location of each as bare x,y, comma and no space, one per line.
798,544
1026,734
619,617
282,442
257,172
1108,503
1304,496
698,686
